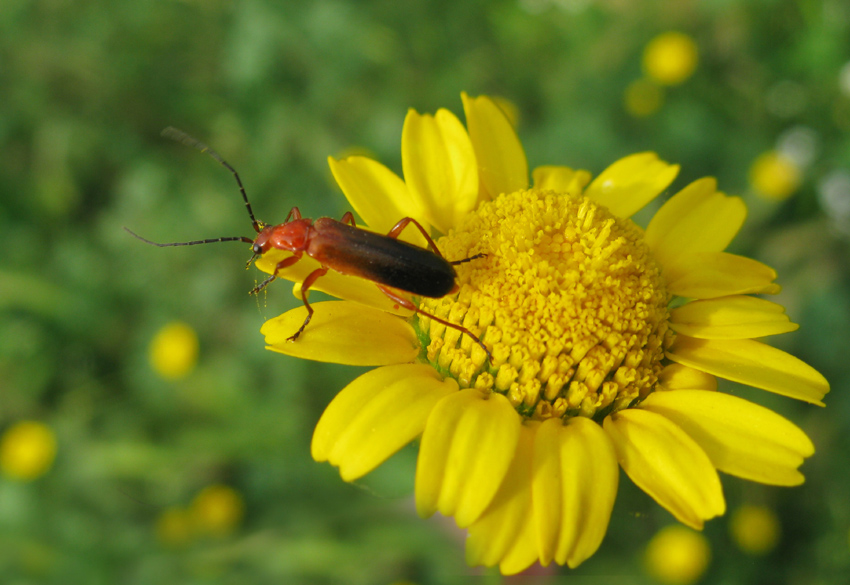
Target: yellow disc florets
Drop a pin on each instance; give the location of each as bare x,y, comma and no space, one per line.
568,298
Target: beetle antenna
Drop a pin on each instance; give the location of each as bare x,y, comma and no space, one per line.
180,136
192,243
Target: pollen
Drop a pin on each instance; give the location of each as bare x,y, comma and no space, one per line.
568,299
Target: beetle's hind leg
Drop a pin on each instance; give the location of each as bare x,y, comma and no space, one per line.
411,306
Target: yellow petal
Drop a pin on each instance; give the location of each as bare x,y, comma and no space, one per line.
678,206
560,179
468,444
296,273
679,377
574,487
523,553
502,166
740,438
504,534
753,363
667,464
629,184
376,415
343,333
707,223
350,288
439,167
378,196
735,317
705,275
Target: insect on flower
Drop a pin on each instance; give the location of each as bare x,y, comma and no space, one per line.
393,265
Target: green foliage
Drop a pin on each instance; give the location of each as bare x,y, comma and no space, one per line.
85,89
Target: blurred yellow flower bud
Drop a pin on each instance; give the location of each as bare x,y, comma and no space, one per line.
755,529
677,555
643,98
670,58
27,450
174,527
173,351
217,510
774,176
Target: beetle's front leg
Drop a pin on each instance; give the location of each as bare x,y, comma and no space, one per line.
305,286
285,263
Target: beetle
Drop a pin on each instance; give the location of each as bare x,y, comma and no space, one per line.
392,264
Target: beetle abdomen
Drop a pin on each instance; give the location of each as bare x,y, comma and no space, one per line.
382,259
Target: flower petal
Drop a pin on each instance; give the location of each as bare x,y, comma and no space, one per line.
667,464
378,196
505,532
439,166
678,206
574,487
468,444
629,184
502,166
357,290
560,179
296,273
376,415
697,219
735,317
753,363
705,275
740,438
343,333
349,288
679,377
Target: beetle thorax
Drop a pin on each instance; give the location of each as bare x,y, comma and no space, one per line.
292,236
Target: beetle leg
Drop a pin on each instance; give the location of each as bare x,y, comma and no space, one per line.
349,219
411,306
305,286
403,223
294,214
285,263
475,257
397,229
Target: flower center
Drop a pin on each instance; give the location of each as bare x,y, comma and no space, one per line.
568,298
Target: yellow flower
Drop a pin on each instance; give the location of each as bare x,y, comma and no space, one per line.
677,556
774,176
217,510
670,58
27,450
173,351
591,366
755,529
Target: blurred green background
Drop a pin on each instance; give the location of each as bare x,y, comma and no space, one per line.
276,87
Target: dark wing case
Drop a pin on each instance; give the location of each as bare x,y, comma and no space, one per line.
381,259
